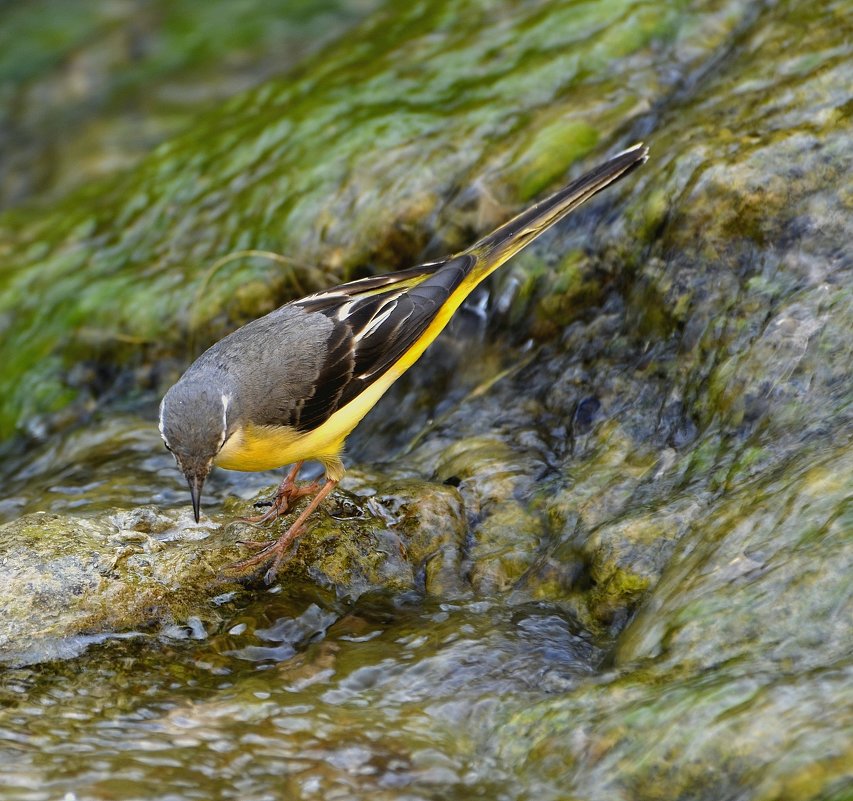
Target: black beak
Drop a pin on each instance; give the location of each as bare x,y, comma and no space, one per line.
196,483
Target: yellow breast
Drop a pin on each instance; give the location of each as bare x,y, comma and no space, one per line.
252,448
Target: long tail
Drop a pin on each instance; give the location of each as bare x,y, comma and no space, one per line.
400,314
493,250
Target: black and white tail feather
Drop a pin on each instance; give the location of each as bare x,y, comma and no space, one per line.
378,320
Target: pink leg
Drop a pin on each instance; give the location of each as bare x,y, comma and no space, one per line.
276,550
286,495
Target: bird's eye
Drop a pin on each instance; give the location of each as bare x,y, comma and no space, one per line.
167,447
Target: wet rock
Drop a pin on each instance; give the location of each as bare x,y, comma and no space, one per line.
717,547
748,632
430,523
494,473
652,438
67,582
714,357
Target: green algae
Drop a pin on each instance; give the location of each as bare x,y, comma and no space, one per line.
87,90
550,151
323,166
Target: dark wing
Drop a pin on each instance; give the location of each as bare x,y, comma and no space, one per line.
375,322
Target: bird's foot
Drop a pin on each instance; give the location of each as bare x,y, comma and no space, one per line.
273,553
283,501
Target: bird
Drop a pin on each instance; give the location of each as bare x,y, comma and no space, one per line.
290,386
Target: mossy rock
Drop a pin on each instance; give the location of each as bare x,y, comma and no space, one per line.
67,582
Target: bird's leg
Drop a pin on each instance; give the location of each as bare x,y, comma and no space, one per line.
276,550
285,496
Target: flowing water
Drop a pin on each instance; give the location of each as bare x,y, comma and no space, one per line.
293,697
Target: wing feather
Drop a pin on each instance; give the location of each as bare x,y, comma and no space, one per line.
375,322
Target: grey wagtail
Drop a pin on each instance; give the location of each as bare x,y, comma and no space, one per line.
292,385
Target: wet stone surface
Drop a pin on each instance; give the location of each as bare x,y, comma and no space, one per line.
67,581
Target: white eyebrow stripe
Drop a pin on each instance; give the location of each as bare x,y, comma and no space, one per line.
161,425
226,399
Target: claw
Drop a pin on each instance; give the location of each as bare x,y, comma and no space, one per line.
278,551
285,497
255,545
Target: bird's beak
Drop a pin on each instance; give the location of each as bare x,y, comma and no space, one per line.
196,483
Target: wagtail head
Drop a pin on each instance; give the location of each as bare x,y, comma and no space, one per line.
194,424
